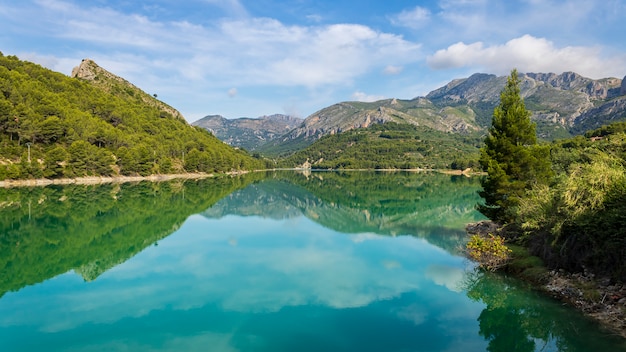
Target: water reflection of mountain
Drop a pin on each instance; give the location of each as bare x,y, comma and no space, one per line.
48,231
428,205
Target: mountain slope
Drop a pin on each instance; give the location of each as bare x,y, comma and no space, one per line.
55,126
248,133
389,146
88,70
561,105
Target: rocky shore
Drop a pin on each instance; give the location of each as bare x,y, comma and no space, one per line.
598,298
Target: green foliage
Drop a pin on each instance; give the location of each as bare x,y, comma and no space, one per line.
510,156
578,222
489,251
389,146
92,123
525,265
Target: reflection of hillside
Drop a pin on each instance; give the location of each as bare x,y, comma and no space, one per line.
432,206
47,231
259,199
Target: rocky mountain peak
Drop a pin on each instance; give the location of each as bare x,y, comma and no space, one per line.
281,118
248,133
571,81
90,71
477,87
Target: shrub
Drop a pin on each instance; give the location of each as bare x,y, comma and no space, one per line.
489,251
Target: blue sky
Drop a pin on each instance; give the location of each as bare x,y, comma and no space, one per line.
241,58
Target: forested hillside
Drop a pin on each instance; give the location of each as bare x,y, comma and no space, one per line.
390,146
55,126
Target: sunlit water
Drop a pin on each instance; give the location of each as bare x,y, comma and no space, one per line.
283,262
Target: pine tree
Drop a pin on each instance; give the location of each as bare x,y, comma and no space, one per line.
510,156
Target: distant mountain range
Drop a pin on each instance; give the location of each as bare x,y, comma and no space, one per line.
562,105
248,133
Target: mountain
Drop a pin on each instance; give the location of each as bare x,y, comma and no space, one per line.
246,132
562,105
88,70
97,124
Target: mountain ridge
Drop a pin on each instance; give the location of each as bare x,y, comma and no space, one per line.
248,133
562,105
89,70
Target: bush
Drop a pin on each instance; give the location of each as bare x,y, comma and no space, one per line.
489,251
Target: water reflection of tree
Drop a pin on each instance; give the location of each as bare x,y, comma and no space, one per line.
516,319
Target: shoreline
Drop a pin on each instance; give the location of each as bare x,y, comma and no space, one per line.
596,298
96,180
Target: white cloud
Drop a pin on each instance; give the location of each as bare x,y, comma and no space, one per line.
414,18
232,92
528,54
251,51
449,276
360,96
392,70
314,18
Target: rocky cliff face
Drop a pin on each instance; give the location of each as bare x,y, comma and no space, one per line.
248,133
90,71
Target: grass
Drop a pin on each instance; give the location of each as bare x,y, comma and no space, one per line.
526,266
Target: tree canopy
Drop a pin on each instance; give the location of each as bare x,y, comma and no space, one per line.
510,156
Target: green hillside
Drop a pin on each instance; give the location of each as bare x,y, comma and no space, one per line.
390,146
55,126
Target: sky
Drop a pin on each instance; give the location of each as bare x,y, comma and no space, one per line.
249,58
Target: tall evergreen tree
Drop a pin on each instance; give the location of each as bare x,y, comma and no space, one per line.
510,156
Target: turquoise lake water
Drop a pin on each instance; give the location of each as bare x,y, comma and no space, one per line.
265,262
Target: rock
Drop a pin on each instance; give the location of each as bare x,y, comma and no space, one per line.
622,90
482,227
88,70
